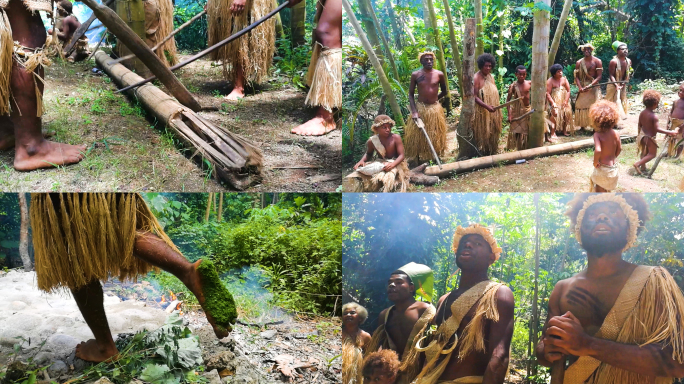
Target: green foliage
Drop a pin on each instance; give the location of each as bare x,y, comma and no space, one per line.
193,37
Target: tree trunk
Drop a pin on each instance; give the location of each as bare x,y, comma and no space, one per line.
210,198
23,234
559,32
479,49
280,31
386,87
611,23
429,38
535,310
117,26
298,24
219,216
388,51
395,25
465,130
540,60
502,20
371,32
579,15
440,52
454,46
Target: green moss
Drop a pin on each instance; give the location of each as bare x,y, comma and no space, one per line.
217,299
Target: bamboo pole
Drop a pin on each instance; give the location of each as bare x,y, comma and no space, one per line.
464,130
559,31
386,87
440,52
479,49
454,46
511,157
540,60
388,51
219,216
209,200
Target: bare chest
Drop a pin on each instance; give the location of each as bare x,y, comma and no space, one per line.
591,302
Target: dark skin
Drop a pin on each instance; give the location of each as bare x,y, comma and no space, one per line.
524,86
579,305
479,83
473,256
90,299
557,81
69,25
405,313
612,66
677,112
648,123
607,147
22,129
428,81
594,69
350,327
394,148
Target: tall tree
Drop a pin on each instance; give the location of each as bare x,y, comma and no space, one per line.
395,24
298,24
219,215
540,61
429,37
440,52
369,6
210,198
478,16
368,20
466,149
23,234
454,45
559,32
386,86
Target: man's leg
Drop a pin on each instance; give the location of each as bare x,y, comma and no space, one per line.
329,34
32,150
90,301
238,91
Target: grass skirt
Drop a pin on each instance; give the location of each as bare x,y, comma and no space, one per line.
611,95
81,237
6,49
167,52
519,130
396,180
584,102
254,51
487,126
672,146
563,118
326,82
435,125
642,145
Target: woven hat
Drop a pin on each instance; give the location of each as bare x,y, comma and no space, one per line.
587,45
420,55
631,214
422,278
617,44
476,229
381,120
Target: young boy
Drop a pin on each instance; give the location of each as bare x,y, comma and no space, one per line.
381,367
677,124
604,115
517,134
390,149
648,129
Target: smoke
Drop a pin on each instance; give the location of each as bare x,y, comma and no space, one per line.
254,302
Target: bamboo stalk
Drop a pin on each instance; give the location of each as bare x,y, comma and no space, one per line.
104,36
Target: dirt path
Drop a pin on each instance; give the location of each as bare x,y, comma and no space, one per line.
565,173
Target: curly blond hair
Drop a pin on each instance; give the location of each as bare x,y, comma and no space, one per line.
420,56
604,115
384,362
651,98
360,311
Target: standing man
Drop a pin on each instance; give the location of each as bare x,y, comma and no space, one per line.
404,323
22,39
588,71
618,70
518,131
247,59
475,321
428,81
616,322
325,70
487,121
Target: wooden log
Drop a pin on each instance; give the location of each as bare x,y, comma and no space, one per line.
119,28
235,160
80,31
511,157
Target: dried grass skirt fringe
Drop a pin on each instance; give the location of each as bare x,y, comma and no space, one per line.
6,49
81,237
326,83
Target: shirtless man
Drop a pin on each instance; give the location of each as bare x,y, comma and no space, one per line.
588,71
647,147
22,128
676,123
402,324
475,250
65,31
617,322
487,123
428,81
607,145
558,98
618,70
517,134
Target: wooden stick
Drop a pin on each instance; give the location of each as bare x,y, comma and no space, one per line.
531,111
660,156
127,36
104,35
608,82
506,104
167,38
212,48
421,125
558,371
80,31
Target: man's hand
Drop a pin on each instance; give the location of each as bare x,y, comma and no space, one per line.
388,167
597,164
553,110
672,133
552,352
569,334
581,89
359,164
238,6
49,32
490,108
292,3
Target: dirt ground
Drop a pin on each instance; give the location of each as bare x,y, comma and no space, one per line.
564,173
128,153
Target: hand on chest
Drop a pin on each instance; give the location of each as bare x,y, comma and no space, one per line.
590,303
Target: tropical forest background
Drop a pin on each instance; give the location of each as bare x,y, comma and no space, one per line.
382,232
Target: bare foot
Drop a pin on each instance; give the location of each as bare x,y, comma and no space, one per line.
235,95
637,170
7,142
317,126
47,154
92,351
215,299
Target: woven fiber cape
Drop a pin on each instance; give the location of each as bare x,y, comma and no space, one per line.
444,342
81,237
409,360
352,361
487,125
585,99
611,89
648,310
